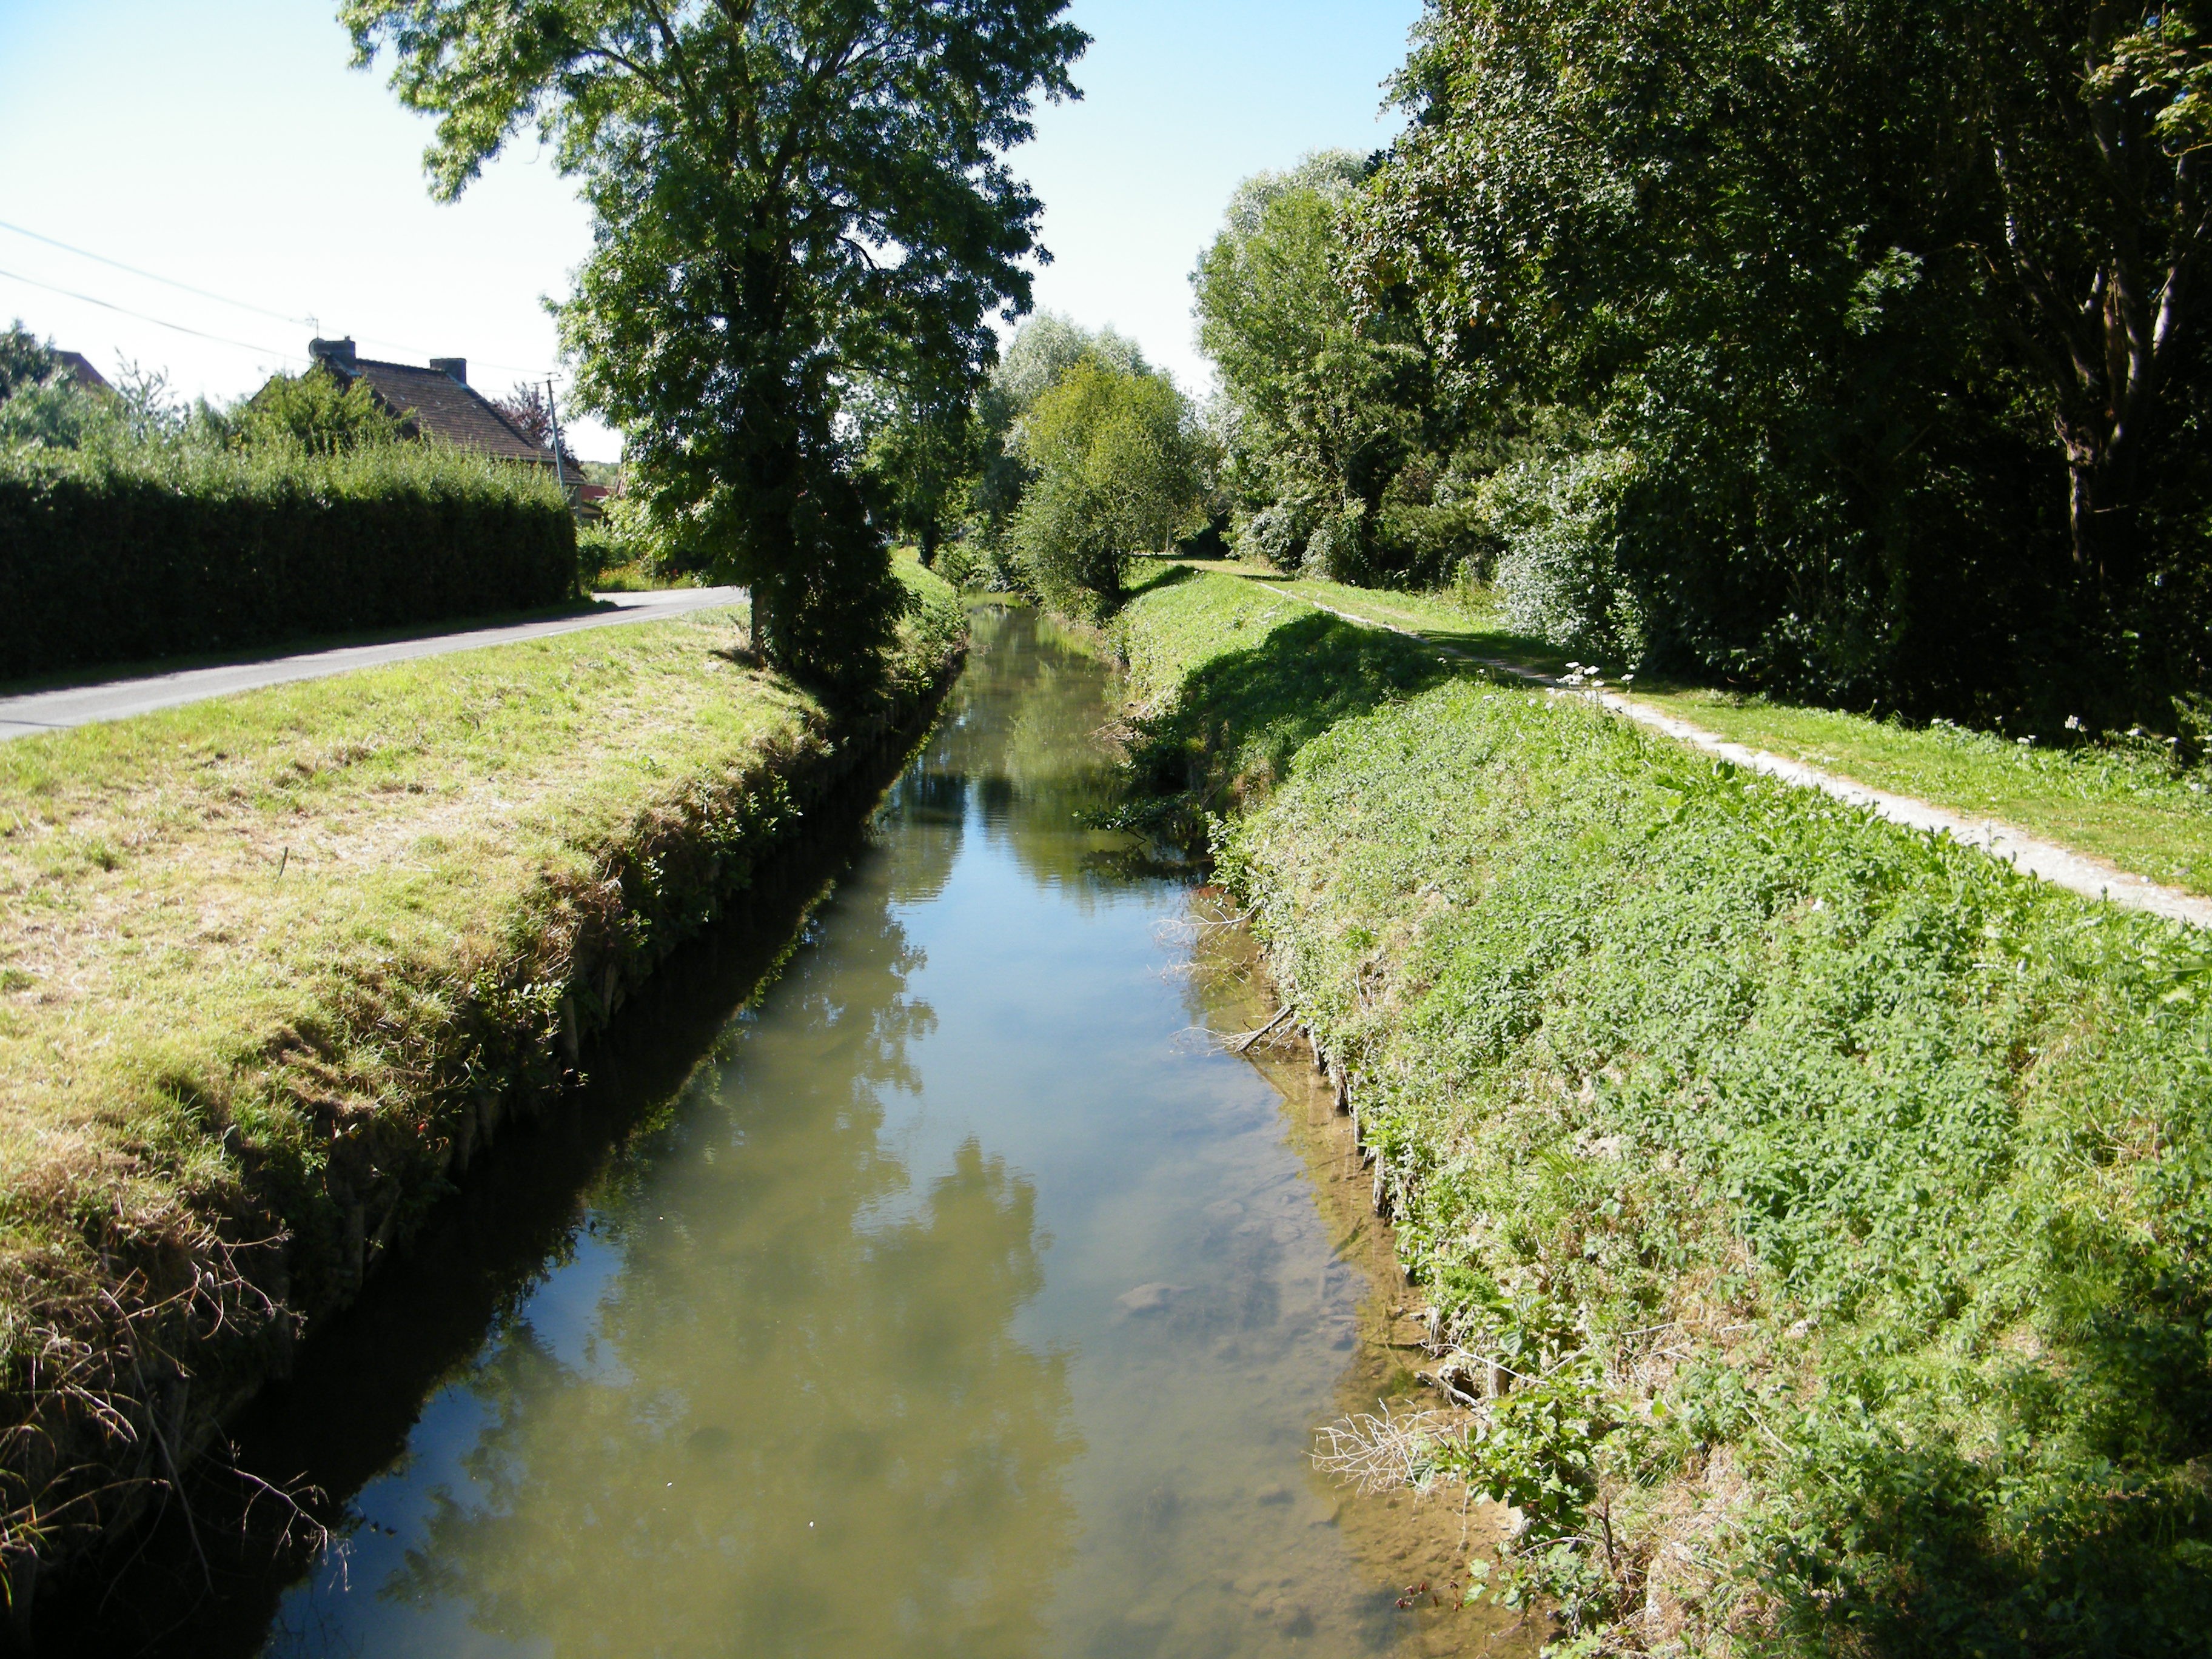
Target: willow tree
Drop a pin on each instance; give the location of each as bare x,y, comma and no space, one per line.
789,196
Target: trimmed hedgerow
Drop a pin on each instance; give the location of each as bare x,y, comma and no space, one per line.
1815,1213
115,556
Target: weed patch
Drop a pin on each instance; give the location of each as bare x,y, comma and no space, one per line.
1813,1212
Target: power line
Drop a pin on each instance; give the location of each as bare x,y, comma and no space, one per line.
151,277
205,294
158,322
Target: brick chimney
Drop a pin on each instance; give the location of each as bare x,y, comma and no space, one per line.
456,366
336,353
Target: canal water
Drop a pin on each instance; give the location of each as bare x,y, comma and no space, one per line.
963,1299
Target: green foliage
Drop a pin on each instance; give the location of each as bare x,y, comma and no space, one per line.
1832,1200
1835,278
1044,350
25,360
789,198
1114,459
1327,401
315,414
53,413
129,552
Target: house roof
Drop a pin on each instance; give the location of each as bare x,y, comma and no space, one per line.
81,366
439,406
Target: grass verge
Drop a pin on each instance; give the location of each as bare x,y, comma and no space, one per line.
2123,799
272,966
1815,1213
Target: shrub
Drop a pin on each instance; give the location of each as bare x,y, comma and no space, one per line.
120,553
1116,462
1558,518
314,413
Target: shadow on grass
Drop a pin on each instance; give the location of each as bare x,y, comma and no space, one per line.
1232,730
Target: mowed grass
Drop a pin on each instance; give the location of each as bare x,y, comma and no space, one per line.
175,888
1818,1212
266,961
2123,800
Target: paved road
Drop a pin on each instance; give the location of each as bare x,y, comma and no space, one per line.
79,705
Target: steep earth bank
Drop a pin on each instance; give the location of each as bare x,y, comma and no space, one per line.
278,968
1812,1211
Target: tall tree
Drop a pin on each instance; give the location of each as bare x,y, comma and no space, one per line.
2095,117
1883,307
1327,398
787,195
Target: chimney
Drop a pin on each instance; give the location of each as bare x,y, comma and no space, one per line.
338,354
456,366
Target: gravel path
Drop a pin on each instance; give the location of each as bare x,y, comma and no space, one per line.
78,705
2092,878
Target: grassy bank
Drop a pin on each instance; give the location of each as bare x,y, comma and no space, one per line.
274,965
2124,799
1815,1212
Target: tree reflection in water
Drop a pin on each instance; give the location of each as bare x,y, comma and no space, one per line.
796,1418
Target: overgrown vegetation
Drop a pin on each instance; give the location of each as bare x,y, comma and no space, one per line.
1114,466
1850,353
1813,1212
271,965
1077,455
132,528
801,206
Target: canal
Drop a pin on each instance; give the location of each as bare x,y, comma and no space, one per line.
955,1295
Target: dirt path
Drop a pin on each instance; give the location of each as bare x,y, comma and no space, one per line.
2093,878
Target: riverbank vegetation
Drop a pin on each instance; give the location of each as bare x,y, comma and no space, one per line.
1850,355
274,964
1812,1211
2142,801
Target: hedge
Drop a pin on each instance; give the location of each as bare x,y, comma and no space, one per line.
171,552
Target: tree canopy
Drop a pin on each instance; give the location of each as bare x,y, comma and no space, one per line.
789,196
1865,328
1114,467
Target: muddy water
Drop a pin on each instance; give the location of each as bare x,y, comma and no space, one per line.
964,1300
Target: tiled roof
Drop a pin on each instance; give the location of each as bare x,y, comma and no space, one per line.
439,406
81,366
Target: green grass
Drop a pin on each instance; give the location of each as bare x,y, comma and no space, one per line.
2122,799
269,965
1839,1198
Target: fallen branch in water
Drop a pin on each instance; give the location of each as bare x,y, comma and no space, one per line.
1383,1454
1242,1041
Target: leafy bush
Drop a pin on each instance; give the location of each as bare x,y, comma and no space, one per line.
1115,459
314,414
1557,521
138,551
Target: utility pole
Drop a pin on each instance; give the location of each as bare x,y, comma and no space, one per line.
553,419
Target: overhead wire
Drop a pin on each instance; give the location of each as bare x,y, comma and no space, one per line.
205,294
155,276
143,317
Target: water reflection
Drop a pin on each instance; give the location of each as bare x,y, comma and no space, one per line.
958,1303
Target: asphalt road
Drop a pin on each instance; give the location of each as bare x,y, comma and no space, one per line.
116,699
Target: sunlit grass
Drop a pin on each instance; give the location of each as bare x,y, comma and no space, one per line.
267,961
2118,800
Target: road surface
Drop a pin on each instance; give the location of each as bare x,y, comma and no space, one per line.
115,699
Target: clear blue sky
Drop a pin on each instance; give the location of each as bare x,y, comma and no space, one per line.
225,144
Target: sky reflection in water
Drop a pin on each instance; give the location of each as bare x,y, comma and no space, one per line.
959,1304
